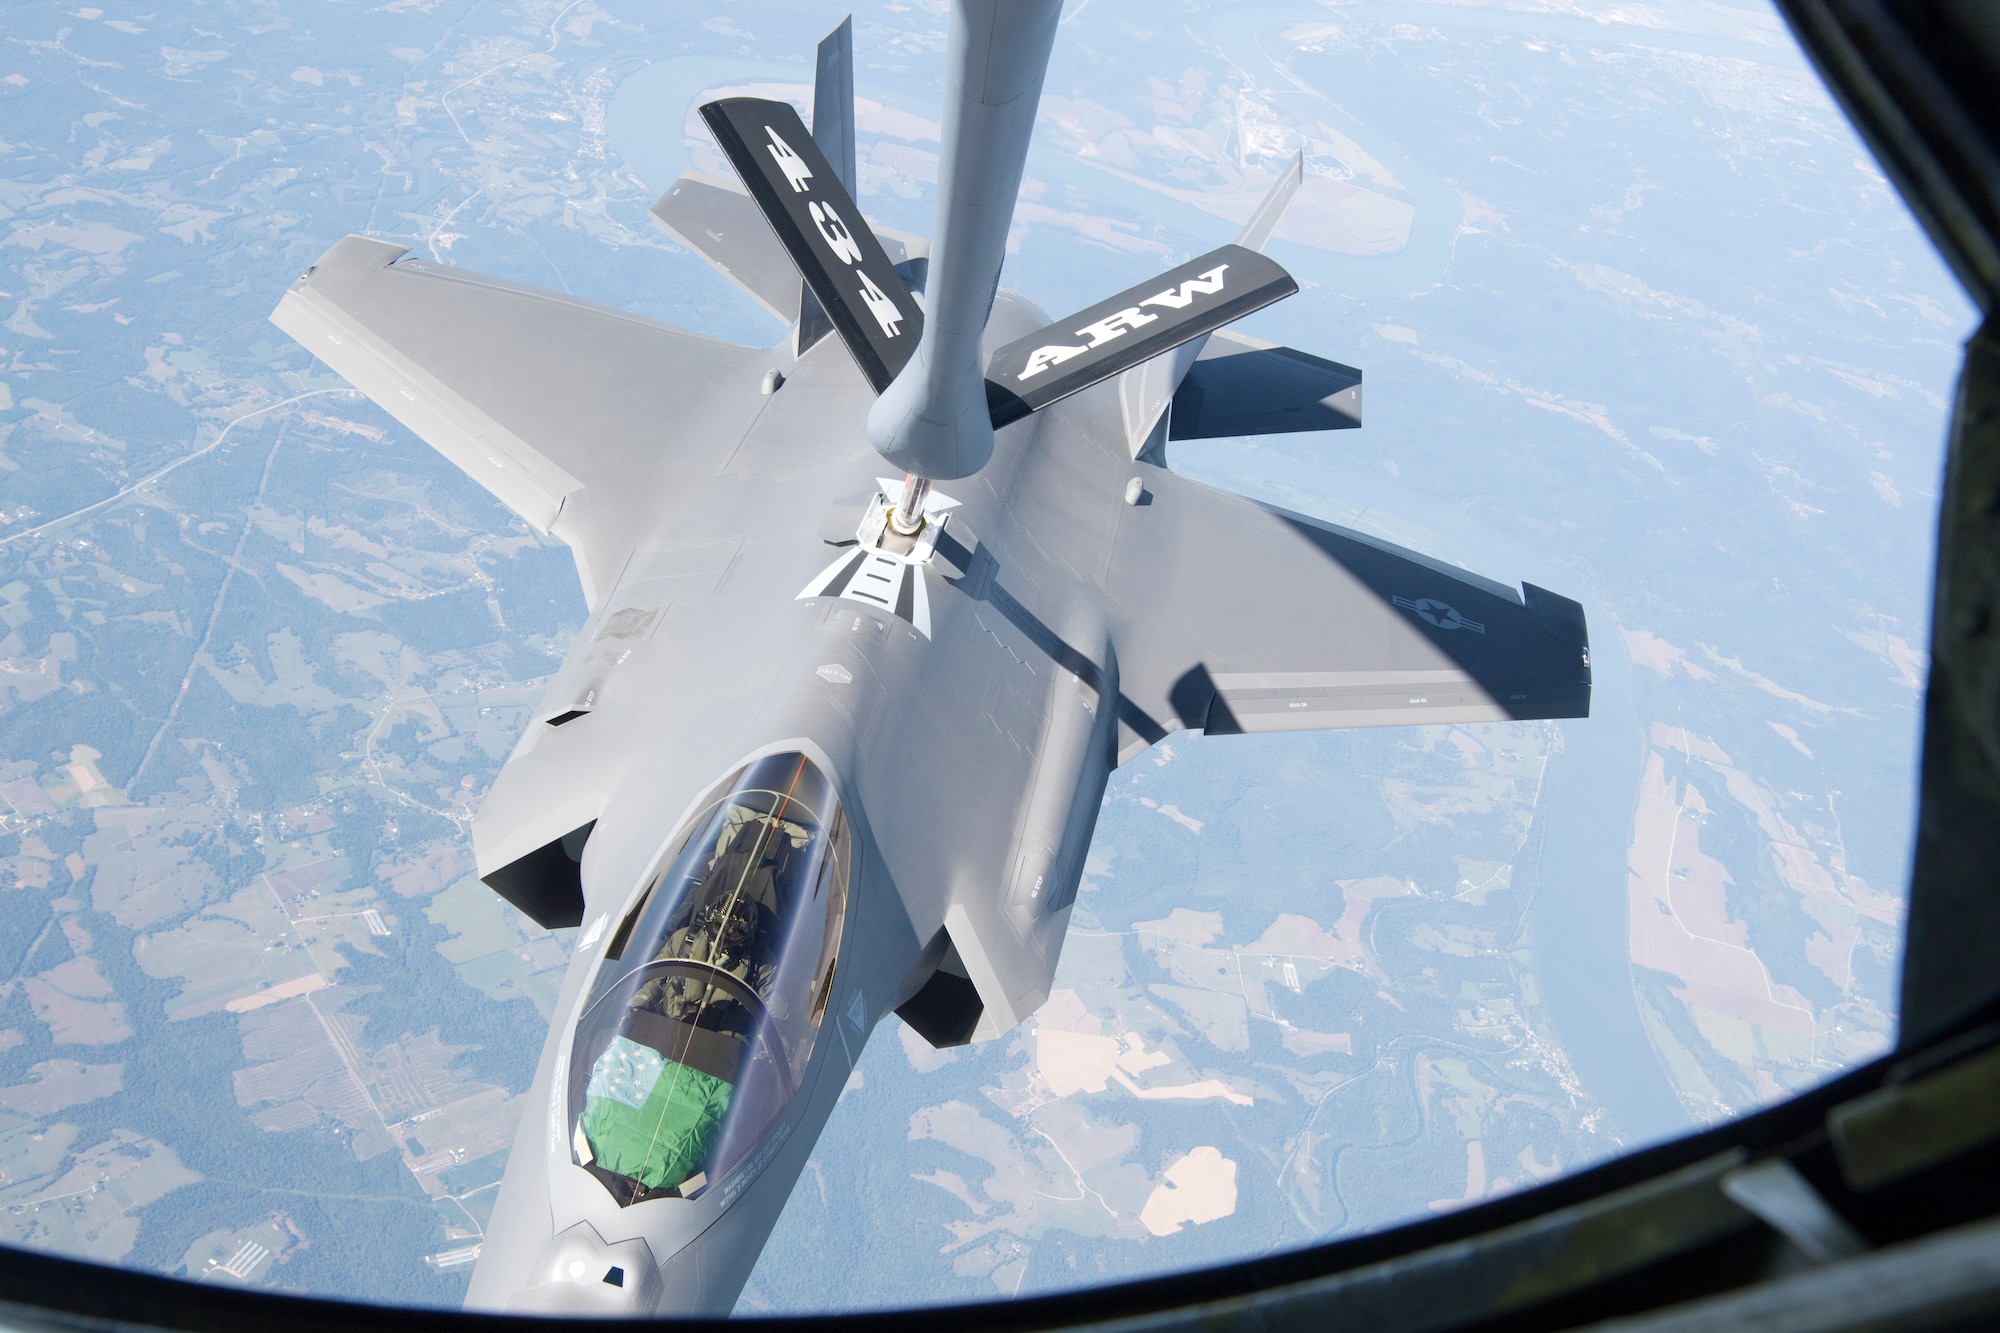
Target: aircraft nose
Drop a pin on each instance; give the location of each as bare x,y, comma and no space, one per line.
578,1272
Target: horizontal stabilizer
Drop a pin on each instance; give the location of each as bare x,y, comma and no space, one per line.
1241,386
821,228
716,219
1136,325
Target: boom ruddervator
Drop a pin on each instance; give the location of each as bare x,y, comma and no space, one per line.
702,1019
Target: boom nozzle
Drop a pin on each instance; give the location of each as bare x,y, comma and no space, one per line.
933,421
907,518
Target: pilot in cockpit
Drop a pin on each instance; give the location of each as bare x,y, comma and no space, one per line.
729,924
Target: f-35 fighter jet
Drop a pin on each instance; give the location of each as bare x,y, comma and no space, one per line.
832,744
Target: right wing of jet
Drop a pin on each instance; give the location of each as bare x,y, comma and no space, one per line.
576,416
1239,617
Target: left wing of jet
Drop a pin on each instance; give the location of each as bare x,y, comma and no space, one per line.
1239,617
576,416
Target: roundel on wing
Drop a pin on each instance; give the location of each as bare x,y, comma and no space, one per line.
1442,614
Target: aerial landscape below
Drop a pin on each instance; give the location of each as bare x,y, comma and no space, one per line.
1641,323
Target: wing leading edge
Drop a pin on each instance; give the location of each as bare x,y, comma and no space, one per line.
575,416
1238,617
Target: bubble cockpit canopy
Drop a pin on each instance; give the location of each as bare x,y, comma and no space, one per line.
704,1013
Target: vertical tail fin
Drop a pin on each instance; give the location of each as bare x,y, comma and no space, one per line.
933,419
833,103
820,227
1145,390
1257,232
833,131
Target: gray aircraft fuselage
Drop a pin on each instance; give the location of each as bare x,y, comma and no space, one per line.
1081,603
934,745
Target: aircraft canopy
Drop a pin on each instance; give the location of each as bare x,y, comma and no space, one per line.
713,990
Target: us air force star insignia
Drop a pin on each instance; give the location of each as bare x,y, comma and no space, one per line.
1441,614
